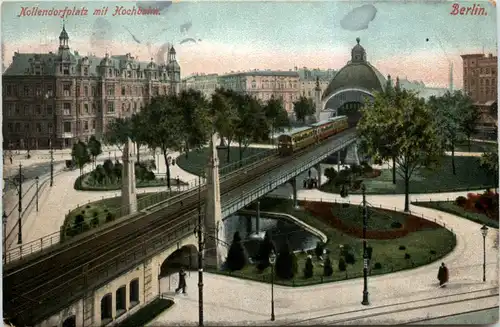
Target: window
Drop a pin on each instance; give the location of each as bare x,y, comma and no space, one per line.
67,108
93,91
253,84
123,90
135,106
86,107
38,109
8,90
93,108
49,128
26,90
18,127
66,70
129,74
10,127
16,108
67,127
111,90
49,110
86,91
123,107
85,71
93,123
26,110
38,90
111,106
27,127
85,125
66,90
49,90
38,128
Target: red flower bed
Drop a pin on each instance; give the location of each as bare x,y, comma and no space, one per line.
486,203
372,174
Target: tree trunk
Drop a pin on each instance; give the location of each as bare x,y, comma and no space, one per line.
168,168
240,147
187,150
138,148
394,170
468,142
407,191
453,159
228,150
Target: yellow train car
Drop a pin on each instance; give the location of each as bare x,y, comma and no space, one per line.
294,140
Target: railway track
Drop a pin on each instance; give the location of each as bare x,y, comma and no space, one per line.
81,266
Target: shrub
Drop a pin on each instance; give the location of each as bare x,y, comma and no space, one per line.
432,252
79,219
369,252
460,201
320,246
342,265
95,213
330,173
377,266
265,248
402,247
356,185
407,256
356,170
349,258
150,176
87,206
367,168
284,263
396,224
308,269
327,268
83,212
295,264
95,221
236,258
109,217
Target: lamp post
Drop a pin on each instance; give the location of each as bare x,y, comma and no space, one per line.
484,231
365,253
51,163
19,206
36,182
4,222
272,260
201,249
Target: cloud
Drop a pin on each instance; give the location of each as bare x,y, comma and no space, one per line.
359,18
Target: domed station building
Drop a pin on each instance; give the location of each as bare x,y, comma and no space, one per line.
350,88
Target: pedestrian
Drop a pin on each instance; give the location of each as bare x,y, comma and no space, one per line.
443,275
305,183
178,182
182,282
10,158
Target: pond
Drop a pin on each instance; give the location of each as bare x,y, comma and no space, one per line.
281,230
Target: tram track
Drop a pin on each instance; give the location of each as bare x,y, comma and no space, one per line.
37,283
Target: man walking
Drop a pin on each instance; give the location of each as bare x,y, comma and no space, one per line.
182,282
443,275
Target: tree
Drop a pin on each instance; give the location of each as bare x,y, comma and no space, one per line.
276,116
320,246
137,134
303,108
250,123
165,127
94,148
489,162
225,116
327,268
196,119
118,132
469,115
418,143
80,155
284,262
265,248
330,173
308,269
236,258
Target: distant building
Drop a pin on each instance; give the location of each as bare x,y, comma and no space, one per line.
205,83
423,91
480,73
308,78
58,98
263,84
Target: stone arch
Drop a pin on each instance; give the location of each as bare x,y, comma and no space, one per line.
107,308
121,300
348,102
70,321
134,292
182,257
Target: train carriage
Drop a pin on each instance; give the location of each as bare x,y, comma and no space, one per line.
329,127
294,140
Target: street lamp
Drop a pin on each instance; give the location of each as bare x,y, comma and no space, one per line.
4,222
484,231
36,182
51,163
272,260
365,252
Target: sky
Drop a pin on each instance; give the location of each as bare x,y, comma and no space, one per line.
418,40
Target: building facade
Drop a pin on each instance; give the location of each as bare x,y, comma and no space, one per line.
205,83
56,99
263,84
308,78
480,77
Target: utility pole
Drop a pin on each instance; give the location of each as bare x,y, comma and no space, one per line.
19,207
200,257
51,163
36,181
365,253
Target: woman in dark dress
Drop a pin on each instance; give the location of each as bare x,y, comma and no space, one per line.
182,281
443,275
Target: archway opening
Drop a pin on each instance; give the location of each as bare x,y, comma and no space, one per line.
351,110
70,321
121,300
106,308
185,257
134,292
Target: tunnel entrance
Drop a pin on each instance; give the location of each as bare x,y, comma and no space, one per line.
185,257
106,308
70,321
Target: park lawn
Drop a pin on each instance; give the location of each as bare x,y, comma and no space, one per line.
451,207
147,313
469,176
380,220
476,146
197,160
100,209
84,186
423,246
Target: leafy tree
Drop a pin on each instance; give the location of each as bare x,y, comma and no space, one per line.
236,258
276,116
196,120
137,128
308,269
164,119
80,155
418,143
468,114
320,246
118,132
265,248
284,262
342,264
330,173
489,162
250,123
225,116
327,268
95,148
108,167
303,108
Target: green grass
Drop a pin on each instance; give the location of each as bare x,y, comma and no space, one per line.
197,160
380,220
475,146
451,207
386,252
469,176
82,184
147,313
95,212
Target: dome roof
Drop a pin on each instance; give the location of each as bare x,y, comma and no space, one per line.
358,73
173,65
64,34
106,61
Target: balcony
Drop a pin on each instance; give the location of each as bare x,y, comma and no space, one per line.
67,135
